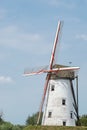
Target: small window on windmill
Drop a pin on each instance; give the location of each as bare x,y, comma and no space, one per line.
52,87
71,115
63,101
64,123
49,114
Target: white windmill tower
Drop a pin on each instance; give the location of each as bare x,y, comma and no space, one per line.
61,99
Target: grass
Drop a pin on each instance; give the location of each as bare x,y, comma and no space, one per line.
54,128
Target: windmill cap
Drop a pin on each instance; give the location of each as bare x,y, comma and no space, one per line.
65,72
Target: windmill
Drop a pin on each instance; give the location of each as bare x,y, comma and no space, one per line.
60,97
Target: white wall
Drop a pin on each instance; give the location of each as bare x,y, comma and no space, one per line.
60,112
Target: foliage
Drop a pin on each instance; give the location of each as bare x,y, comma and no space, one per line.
83,120
9,126
32,120
6,126
1,120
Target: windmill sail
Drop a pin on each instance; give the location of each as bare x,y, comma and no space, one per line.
39,70
51,66
56,45
44,69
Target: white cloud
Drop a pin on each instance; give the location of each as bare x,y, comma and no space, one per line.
5,80
82,37
12,37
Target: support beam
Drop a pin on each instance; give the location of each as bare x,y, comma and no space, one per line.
77,97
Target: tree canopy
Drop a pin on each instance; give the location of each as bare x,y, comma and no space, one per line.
32,120
83,120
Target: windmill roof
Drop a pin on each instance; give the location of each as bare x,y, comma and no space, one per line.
59,66
71,74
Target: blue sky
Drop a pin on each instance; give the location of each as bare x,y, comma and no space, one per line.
27,31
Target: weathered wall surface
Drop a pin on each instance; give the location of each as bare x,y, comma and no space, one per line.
59,108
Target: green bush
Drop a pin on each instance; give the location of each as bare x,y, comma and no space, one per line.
6,126
83,120
16,128
9,126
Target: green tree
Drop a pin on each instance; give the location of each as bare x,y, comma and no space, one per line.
32,120
6,126
83,120
1,120
17,127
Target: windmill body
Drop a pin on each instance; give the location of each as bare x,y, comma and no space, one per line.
59,108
